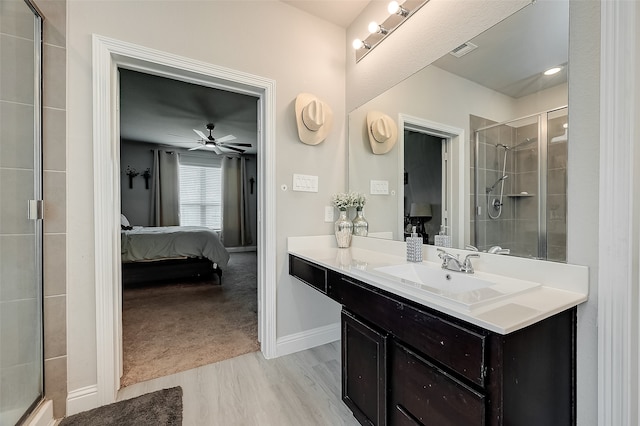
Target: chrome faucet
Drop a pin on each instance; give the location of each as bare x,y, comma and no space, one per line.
498,250
453,263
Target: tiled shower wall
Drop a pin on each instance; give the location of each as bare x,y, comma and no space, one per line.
517,226
19,299
54,72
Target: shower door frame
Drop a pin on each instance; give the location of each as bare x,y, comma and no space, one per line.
34,207
542,168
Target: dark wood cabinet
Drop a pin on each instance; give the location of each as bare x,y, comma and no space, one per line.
364,372
407,364
311,274
420,393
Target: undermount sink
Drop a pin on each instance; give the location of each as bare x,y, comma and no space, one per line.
468,291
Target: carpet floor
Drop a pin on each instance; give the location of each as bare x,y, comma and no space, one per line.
160,408
170,328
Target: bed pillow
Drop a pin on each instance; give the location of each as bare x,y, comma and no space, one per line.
124,221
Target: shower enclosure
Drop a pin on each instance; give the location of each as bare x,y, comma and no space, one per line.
21,344
520,186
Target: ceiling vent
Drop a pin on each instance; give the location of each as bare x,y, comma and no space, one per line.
463,49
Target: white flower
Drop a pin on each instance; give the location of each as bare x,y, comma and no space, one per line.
342,200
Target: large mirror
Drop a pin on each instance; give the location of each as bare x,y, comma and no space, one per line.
481,150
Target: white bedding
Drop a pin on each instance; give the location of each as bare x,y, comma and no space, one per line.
161,242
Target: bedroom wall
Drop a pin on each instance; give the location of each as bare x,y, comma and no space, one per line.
136,201
267,38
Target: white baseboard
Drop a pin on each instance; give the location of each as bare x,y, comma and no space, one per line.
43,415
241,249
82,399
307,339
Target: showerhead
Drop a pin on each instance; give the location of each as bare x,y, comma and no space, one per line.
489,189
500,145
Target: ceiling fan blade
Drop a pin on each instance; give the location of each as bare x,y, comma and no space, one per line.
196,147
216,150
233,148
238,144
225,138
202,135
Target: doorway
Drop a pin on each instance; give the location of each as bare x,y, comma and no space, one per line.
435,153
109,55
173,321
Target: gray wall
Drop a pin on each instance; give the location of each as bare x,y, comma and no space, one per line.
136,201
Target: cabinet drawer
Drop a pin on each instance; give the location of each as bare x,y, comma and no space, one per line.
448,343
422,394
309,273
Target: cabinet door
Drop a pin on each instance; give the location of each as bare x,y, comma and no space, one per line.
420,393
363,370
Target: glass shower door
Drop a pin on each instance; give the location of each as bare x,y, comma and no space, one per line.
21,353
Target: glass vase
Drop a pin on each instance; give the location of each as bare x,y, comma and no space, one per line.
360,224
343,229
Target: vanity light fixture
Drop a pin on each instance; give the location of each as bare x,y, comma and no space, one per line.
552,71
397,15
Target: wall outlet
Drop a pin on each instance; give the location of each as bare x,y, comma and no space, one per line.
328,214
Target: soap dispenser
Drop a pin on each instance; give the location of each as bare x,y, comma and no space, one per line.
442,239
414,247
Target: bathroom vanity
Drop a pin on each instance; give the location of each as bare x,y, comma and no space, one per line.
410,356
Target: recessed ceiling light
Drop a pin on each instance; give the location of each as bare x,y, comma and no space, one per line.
552,71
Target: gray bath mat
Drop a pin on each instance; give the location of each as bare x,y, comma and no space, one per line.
160,408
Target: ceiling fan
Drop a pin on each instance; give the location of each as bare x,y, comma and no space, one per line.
217,143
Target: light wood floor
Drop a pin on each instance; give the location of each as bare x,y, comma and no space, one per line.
298,389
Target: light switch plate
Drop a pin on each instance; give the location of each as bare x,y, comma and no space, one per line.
328,214
305,183
379,187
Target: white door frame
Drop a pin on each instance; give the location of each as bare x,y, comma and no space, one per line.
456,172
108,56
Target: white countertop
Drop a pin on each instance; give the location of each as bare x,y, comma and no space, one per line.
550,287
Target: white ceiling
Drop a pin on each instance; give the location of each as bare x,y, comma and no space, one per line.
509,59
340,12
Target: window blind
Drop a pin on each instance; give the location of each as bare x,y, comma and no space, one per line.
200,193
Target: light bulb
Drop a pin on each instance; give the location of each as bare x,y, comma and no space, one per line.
394,8
552,71
358,44
375,28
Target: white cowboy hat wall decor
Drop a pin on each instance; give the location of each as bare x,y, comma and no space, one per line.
314,118
383,132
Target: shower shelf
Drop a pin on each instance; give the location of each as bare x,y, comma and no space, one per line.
520,195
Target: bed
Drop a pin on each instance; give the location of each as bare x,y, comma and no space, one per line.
154,254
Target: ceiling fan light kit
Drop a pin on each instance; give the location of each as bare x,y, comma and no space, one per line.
218,144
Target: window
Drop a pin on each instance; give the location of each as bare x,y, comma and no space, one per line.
200,192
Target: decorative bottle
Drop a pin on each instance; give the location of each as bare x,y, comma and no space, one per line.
360,224
343,230
414,247
442,239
